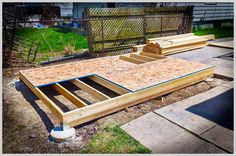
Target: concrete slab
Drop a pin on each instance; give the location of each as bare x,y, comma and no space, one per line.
188,120
220,136
162,136
218,109
208,55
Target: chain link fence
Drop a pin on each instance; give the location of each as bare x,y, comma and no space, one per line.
112,31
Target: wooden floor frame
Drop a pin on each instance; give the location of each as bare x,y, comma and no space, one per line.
127,98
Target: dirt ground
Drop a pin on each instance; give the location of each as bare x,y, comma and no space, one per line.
27,122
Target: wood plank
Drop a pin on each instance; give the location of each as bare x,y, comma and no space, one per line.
182,48
109,85
153,50
75,100
97,94
152,55
207,37
132,60
141,57
49,103
103,108
151,40
200,41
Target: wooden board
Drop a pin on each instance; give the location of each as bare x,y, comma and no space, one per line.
225,44
153,40
132,60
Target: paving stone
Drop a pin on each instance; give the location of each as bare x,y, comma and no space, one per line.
162,136
220,136
208,148
188,120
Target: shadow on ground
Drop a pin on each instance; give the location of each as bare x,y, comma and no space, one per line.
218,109
31,98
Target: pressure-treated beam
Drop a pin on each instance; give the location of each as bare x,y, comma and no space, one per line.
75,100
99,95
109,85
132,60
49,103
152,55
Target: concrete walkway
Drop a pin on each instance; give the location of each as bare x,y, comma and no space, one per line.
210,55
199,124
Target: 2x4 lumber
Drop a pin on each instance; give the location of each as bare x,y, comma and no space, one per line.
182,48
48,102
132,60
75,100
97,94
183,39
150,40
185,43
207,37
109,85
103,108
152,55
144,58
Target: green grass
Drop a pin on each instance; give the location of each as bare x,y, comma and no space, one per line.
112,139
218,32
55,37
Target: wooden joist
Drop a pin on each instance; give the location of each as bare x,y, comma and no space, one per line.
153,40
182,48
103,108
109,85
207,37
132,60
49,103
144,58
196,41
97,94
74,99
152,55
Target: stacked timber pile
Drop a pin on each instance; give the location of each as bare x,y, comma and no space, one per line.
174,44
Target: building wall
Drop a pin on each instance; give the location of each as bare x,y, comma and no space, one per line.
211,11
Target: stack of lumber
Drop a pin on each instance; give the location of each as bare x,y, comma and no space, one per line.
141,57
174,44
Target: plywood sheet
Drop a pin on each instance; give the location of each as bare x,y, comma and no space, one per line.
225,44
129,75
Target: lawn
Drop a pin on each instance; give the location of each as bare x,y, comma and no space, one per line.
53,39
112,139
219,32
